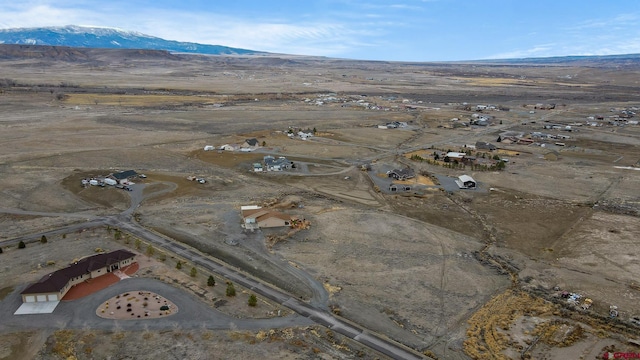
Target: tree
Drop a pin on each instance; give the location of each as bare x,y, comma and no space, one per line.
150,250
231,291
179,265
211,281
264,143
21,245
138,243
253,300
117,234
314,130
0,250
496,157
194,272
43,239
162,256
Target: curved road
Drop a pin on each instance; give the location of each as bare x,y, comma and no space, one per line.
316,313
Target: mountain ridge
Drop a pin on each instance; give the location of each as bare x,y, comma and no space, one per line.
109,38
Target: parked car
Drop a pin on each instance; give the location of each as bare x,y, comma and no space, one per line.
128,188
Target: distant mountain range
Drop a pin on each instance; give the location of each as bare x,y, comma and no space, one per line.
109,38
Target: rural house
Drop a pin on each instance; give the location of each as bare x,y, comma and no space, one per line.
250,144
279,164
123,177
53,286
402,174
254,216
481,145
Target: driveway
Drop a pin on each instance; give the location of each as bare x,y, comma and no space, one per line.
81,313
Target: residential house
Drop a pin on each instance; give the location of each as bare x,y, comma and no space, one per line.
123,177
54,286
254,216
250,144
454,156
277,164
481,145
402,174
257,167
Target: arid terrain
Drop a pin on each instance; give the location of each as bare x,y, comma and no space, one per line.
444,272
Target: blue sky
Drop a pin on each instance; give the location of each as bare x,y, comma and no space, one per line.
397,30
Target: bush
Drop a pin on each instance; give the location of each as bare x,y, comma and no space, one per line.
43,239
0,250
150,250
179,265
21,245
231,291
253,300
194,272
211,281
138,243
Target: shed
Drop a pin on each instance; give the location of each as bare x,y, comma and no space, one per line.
466,182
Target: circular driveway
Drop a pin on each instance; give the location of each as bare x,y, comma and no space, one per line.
81,313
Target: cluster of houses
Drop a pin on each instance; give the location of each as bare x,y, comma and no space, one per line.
248,145
121,179
271,163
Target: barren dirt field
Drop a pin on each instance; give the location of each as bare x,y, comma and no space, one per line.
538,261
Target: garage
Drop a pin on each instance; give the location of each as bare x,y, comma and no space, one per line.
41,298
53,297
30,298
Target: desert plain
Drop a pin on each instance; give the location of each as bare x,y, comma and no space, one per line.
437,270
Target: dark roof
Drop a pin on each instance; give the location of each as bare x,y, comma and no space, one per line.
252,142
406,173
485,145
124,174
57,280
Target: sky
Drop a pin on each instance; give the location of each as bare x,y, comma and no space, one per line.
393,30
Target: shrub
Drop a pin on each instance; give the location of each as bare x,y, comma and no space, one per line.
179,265
253,300
194,272
211,281
21,245
43,239
150,250
0,250
138,243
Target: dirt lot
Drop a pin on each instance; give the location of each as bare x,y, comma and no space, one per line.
424,270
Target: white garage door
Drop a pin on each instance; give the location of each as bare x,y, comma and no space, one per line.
52,297
30,298
41,298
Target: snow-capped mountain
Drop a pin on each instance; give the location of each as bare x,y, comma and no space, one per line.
110,38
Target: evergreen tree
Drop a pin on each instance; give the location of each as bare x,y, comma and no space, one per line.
231,291
179,265
43,239
194,272
21,245
211,281
253,300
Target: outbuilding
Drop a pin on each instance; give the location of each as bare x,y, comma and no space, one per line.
466,182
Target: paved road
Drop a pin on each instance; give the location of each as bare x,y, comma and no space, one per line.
315,313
